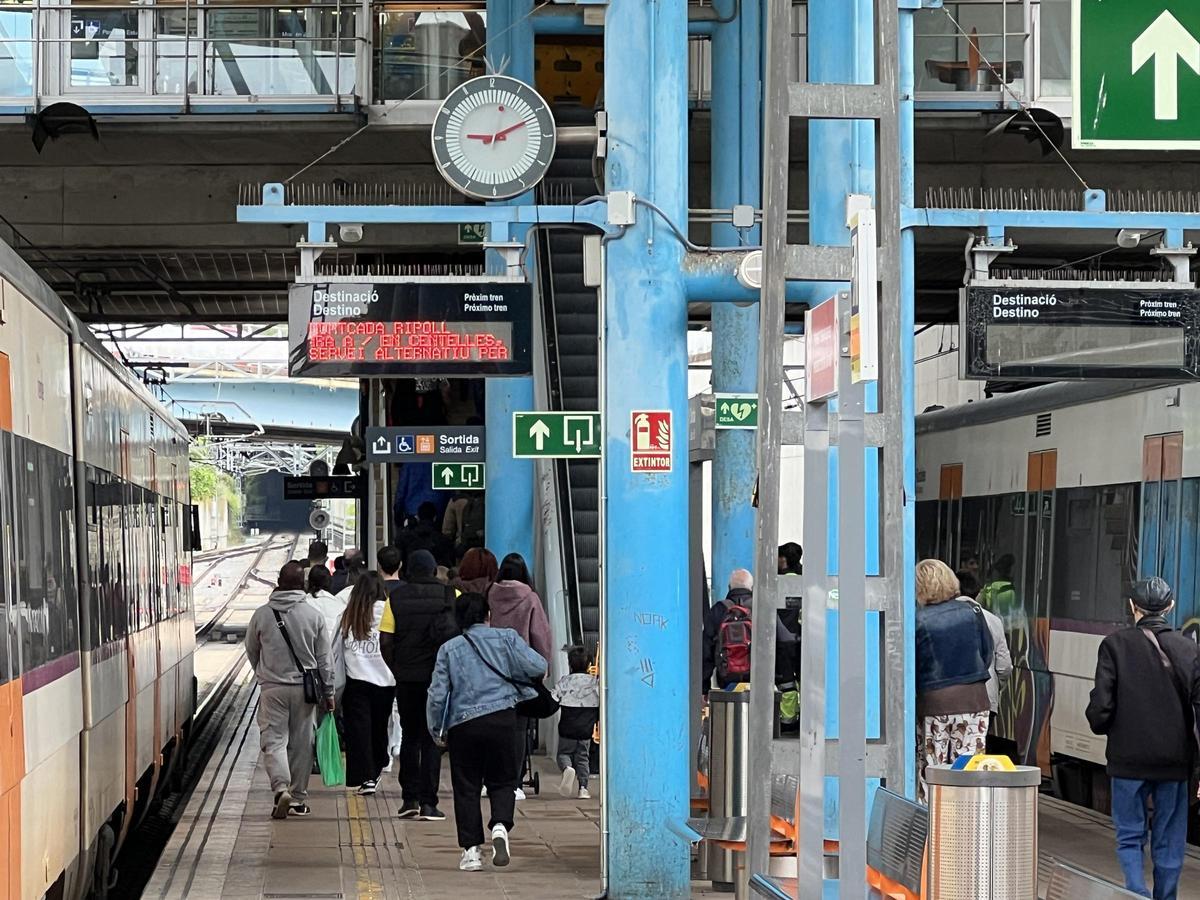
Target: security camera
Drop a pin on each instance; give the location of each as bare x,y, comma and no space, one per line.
351,234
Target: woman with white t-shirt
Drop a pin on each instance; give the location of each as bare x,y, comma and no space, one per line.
370,688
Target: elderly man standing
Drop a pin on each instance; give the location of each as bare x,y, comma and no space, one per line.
286,639
726,644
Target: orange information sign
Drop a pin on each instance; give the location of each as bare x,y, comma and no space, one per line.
821,350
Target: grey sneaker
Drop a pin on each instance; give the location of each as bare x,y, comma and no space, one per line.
283,800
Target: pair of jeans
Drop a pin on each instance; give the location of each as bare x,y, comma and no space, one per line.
420,758
366,711
481,754
577,754
1166,829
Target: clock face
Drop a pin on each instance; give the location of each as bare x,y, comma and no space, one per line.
493,137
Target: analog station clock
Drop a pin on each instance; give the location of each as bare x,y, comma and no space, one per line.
493,137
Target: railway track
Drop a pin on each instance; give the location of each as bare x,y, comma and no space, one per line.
230,694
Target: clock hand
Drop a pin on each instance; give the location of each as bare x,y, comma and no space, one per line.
486,138
502,135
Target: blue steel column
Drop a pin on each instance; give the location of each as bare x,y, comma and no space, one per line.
645,651
510,482
736,175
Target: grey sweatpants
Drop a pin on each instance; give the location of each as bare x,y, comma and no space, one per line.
577,754
286,725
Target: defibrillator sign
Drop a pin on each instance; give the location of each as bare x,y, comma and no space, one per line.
650,438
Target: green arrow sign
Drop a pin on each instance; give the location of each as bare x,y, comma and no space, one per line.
736,411
562,435
1136,74
459,476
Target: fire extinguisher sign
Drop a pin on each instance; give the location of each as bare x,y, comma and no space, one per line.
650,440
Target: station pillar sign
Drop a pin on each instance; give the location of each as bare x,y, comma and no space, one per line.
557,435
1135,74
821,350
650,440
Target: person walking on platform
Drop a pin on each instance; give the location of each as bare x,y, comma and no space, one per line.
954,658
578,695
515,604
1146,700
323,600
288,645
389,560
476,572
478,679
417,620
370,686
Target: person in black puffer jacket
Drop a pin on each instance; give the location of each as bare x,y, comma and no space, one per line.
1146,699
418,619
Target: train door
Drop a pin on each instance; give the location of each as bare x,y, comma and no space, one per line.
1162,473
949,515
1028,623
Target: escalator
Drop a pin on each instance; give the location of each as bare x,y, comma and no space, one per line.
571,314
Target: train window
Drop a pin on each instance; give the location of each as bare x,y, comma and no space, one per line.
1094,553
94,565
48,612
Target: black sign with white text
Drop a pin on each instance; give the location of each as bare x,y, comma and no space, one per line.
327,487
1047,332
411,329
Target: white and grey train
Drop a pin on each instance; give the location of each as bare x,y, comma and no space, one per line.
96,686
1063,495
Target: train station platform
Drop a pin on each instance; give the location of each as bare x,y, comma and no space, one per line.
227,847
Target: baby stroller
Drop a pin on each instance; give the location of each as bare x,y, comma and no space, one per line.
529,776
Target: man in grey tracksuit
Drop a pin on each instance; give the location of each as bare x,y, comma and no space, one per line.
285,720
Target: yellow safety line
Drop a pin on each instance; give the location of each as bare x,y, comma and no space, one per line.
366,887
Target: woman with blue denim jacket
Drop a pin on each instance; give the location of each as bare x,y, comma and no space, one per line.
954,658
478,679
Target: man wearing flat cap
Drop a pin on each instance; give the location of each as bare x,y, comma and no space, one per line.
1146,700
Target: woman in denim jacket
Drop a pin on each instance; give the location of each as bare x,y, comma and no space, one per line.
470,710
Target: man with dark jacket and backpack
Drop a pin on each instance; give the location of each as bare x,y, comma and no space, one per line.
417,620
1146,700
726,644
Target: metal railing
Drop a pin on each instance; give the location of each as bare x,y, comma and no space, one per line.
145,52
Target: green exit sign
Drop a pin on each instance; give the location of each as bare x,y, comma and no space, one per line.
459,476
472,233
735,411
1136,74
557,435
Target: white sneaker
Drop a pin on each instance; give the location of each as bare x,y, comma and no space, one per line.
569,783
520,795
583,794
483,793
500,846
472,860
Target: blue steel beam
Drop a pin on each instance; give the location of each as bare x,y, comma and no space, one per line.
736,161
568,20
511,482
646,617
1097,220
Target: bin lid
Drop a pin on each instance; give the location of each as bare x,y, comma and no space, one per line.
715,696
1017,777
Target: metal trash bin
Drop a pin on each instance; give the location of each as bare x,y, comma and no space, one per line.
983,833
729,715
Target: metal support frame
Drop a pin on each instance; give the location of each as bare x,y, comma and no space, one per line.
854,562
736,178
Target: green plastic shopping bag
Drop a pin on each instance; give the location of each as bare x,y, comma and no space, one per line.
329,753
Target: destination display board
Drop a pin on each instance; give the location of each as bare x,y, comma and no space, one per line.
410,330
1044,331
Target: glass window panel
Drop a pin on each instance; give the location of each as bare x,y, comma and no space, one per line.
177,52
425,55
1055,47
6,520
16,53
1076,545
943,47
104,47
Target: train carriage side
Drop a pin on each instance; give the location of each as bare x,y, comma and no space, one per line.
39,651
96,685
1064,495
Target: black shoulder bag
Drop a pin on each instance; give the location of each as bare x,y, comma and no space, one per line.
314,684
543,706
